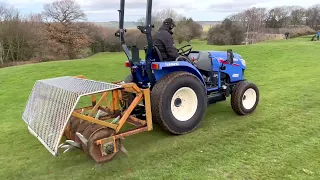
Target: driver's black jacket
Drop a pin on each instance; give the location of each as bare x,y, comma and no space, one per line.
164,41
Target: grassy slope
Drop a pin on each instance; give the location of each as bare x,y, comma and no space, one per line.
279,141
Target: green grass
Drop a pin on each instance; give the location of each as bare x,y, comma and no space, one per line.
280,140
206,27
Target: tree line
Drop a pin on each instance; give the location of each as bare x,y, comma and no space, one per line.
61,31
279,17
255,22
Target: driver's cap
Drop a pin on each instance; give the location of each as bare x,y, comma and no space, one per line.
169,21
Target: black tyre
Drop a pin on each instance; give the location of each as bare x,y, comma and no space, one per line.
178,102
244,98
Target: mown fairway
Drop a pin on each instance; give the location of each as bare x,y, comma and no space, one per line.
279,141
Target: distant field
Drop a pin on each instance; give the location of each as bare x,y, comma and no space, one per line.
280,140
132,25
206,27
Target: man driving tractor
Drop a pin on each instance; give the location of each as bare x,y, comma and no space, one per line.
164,40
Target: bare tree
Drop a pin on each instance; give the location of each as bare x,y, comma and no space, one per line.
19,35
10,34
297,15
64,11
279,17
159,16
2,12
63,30
37,32
313,16
252,18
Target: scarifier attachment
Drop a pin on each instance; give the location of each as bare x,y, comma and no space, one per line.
52,113
51,103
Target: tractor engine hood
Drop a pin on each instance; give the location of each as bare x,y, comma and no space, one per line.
223,55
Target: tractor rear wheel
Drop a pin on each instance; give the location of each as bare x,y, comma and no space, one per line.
244,98
178,102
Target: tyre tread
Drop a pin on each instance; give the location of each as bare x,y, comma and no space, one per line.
156,102
236,96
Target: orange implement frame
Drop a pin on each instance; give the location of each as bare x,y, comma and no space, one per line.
113,115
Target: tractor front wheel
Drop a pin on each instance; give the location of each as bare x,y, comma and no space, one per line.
178,102
244,98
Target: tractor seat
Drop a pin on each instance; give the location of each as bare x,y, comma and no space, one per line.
156,54
203,60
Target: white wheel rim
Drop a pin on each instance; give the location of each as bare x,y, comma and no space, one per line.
249,98
184,104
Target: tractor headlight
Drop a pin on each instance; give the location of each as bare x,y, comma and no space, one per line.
243,61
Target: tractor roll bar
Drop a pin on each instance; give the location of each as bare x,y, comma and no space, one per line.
149,27
121,31
147,30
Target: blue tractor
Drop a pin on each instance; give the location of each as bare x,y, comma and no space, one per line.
181,90
173,94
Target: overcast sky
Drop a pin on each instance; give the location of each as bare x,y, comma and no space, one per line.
200,10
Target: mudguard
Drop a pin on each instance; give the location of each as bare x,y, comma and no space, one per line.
161,69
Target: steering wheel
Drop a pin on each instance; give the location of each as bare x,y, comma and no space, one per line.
185,52
184,58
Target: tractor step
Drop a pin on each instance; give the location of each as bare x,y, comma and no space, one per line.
216,97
